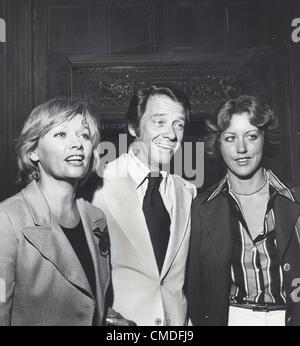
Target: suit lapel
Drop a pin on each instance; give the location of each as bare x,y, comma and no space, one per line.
130,217
48,238
286,214
90,222
51,242
216,214
182,200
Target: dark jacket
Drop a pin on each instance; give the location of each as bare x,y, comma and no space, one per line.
209,276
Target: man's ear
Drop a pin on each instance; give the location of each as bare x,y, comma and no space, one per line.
34,156
132,131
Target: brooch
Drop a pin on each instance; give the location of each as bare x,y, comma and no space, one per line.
104,243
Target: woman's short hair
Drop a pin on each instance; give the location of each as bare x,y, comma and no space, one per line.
138,103
260,115
42,119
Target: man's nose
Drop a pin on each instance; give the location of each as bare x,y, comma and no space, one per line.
170,132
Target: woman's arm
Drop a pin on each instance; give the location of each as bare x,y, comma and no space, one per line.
8,251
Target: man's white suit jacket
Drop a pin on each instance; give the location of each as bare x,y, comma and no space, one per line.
141,293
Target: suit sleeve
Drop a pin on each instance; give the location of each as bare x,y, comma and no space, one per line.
8,251
296,193
193,272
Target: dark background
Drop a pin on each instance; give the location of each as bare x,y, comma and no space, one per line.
103,50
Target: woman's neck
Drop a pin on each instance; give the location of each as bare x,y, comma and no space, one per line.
247,186
60,196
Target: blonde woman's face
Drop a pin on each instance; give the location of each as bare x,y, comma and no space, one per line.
241,146
65,151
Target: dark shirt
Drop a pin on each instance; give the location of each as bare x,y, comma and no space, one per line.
77,239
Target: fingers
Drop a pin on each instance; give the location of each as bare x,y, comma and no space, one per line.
111,313
114,318
119,322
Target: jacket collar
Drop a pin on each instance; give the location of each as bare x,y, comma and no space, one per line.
37,204
121,190
286,210
273,180
138,171
46,235
40,210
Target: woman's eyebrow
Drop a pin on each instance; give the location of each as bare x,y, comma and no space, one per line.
232,132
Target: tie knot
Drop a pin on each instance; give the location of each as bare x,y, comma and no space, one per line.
154,180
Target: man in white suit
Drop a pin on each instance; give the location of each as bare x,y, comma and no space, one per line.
148,212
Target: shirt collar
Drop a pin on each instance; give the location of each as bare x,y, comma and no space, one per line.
277,185
138,171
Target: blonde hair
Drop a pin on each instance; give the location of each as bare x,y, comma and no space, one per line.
42,119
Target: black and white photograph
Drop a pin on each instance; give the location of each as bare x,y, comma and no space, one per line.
150,165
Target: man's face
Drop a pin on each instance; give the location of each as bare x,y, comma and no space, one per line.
160,133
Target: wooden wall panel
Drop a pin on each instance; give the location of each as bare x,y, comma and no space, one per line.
246,24
292,92
4,105
58,83
190,26
99,28
69,30
17,82
129,28
40,50
185,26
62,28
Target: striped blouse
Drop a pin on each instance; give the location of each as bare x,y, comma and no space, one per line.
256,271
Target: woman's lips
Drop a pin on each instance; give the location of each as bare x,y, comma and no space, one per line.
243,161
75,160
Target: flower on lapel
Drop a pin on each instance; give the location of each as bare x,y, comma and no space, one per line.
104,244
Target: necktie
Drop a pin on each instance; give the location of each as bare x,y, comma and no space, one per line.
157,219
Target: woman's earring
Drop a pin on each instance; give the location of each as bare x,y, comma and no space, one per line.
34,156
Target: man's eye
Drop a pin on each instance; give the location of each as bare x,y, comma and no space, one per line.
158,122
60,134
179,126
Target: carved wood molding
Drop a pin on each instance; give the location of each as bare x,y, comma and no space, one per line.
109,82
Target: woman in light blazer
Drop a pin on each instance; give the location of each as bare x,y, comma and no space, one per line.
54,248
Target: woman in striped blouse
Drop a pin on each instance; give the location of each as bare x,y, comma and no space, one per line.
244,266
